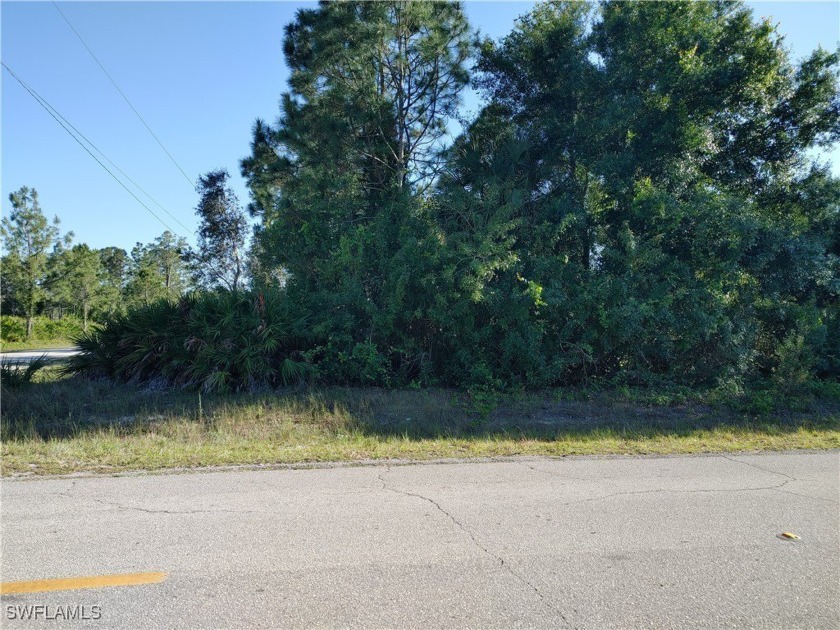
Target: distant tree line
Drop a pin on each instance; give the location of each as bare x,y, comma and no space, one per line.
44,273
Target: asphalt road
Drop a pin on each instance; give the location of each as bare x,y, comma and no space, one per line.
25,357
671,542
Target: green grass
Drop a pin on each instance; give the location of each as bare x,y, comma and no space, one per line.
35,344
60,425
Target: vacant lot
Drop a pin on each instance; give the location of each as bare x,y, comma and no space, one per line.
61,425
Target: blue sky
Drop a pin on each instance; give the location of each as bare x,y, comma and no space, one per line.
199,73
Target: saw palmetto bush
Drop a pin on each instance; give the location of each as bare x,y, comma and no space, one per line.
15,375
219,341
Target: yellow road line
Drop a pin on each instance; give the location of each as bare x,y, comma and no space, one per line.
71,584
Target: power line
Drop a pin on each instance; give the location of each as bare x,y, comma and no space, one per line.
46,104
49,109
56,115
114,83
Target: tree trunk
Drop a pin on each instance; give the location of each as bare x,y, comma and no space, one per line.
29,324
580,189
587,245
85,309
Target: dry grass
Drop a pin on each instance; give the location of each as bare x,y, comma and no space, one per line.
63,425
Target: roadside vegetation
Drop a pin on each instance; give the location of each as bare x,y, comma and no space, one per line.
46,332
53,290
60,424
636,220
15,376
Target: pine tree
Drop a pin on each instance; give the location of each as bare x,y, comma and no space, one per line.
156,271
28,237
220,258
340,182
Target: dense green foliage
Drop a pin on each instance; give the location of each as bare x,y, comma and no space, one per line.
13,328
637,202
216,341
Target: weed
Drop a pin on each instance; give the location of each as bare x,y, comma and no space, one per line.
60,424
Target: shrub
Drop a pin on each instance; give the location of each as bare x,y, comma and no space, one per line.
67,327
13,328
16,376
214,341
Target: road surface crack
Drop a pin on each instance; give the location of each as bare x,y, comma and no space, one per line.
806,496
67,493
667,491
502,563
777,488
539,470
553,474
757,467
135,508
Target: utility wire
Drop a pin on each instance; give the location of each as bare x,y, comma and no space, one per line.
48,107
114,83
45,104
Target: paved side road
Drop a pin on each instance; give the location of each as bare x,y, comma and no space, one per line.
25,357
671,542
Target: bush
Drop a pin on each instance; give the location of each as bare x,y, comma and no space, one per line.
214,341
14,376
67,327
13,328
